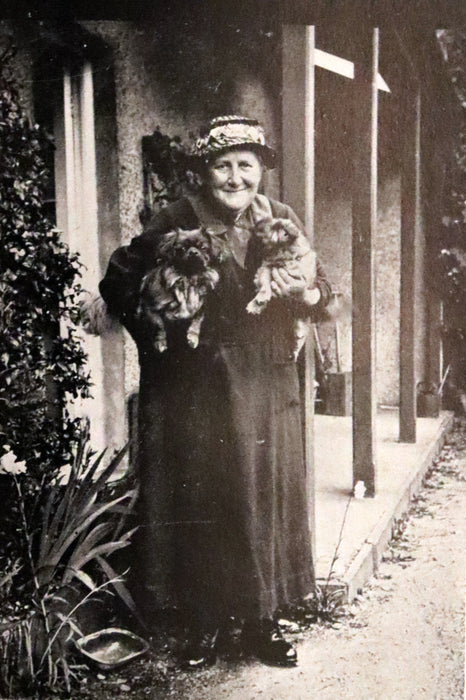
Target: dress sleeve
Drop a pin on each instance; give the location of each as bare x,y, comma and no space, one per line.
323,285
127,266
120,286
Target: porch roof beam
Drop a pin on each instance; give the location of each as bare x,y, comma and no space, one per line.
364,215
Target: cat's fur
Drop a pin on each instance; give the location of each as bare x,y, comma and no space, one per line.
176,287
284,247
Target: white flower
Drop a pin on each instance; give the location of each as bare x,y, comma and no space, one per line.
9,463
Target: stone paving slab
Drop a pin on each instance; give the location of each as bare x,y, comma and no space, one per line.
367,522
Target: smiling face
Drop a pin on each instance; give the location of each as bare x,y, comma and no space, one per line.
234,178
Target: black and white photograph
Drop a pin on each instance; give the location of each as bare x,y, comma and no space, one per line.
233,349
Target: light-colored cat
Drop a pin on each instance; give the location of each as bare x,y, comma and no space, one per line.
285,247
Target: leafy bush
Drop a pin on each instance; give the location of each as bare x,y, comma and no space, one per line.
42,360
452,236
169,171
62,516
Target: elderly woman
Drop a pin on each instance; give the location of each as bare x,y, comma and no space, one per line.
224,523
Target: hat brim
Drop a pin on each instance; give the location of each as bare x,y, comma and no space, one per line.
267,154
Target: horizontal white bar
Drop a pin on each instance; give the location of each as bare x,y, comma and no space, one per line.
342,66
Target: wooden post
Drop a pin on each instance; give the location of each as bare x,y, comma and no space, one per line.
298,122
435,360
364,213
410,181
298,190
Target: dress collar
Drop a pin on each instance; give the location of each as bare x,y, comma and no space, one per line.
258,211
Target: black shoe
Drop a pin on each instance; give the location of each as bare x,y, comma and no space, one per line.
199,651
265,641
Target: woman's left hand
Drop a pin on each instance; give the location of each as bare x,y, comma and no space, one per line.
287,283
290,283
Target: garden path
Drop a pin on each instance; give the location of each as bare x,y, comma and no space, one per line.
402,638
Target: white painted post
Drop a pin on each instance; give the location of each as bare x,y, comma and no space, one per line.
88,245
76,194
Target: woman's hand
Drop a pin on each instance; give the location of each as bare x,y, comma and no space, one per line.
290,283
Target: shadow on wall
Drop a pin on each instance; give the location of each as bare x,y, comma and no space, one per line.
204,54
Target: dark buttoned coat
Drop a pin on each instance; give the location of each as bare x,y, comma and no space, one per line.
223,515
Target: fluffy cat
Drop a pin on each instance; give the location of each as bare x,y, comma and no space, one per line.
176,287
285,247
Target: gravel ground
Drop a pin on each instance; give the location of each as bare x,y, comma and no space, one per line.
403,638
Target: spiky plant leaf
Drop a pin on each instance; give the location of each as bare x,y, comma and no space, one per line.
120,588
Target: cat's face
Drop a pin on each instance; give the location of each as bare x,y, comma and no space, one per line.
191,252
278,235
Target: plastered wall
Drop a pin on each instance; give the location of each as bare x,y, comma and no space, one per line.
333,231
151,92
333,242
179,94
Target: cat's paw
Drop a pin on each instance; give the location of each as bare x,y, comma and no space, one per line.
160,345
193,339
254,307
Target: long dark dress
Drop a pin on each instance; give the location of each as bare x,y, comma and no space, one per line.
224,521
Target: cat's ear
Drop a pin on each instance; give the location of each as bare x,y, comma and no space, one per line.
289,227
167,241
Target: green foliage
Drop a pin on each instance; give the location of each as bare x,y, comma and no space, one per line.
67,531
451,280
42,360
453,267
453,47
326,604
169,170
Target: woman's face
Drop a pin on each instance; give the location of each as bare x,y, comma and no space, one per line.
234,178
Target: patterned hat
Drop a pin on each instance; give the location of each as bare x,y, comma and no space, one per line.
234,133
